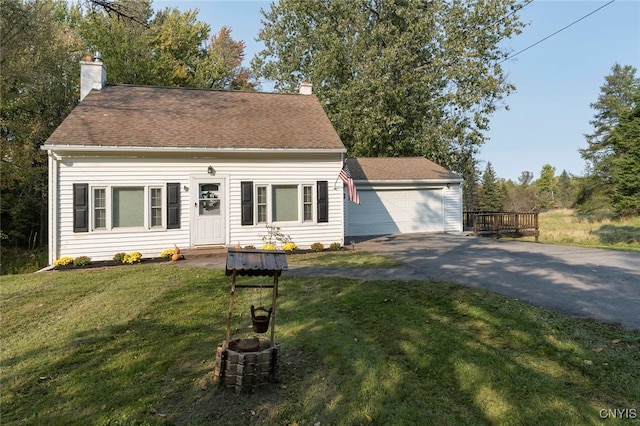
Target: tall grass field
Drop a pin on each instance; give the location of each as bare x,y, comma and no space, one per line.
565,227
135,345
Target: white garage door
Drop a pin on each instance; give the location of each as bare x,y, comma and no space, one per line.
384,212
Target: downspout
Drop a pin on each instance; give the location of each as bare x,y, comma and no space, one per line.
53,207
345,206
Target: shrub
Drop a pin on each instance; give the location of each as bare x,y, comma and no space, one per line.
119,257
268,247
275,236
335,246
132,258
82,261
63,261
317,247
290,246
167,253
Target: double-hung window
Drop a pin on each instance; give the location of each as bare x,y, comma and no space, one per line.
99,208
119,207
284,203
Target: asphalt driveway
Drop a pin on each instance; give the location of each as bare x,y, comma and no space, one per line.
583,282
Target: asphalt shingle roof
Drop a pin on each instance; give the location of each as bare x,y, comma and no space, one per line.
397,168
162,117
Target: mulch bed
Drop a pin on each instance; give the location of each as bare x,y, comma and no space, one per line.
109,263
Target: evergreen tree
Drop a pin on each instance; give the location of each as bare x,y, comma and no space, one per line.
625,164
547,186
566,195
492,196
618,96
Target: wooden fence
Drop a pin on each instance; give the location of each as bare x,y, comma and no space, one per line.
507,224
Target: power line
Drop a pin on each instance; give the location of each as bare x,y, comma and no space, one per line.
560,30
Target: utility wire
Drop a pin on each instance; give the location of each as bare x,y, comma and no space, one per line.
560,30
525,4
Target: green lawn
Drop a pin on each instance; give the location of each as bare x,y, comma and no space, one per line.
136,345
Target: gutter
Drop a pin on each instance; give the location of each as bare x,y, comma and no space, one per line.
195,150
409,182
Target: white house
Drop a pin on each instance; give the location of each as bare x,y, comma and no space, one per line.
139,168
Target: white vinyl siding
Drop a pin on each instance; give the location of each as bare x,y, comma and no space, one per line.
156,172
453,208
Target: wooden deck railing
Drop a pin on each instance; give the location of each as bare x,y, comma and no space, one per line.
511,224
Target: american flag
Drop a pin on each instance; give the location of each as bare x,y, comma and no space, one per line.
345,175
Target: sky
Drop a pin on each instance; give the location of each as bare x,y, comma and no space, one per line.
556,80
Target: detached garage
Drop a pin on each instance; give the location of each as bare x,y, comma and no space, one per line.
402,195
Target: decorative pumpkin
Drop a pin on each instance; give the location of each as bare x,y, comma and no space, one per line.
176,253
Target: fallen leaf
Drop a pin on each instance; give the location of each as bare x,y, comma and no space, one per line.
599,349
369,418
614,341
588,362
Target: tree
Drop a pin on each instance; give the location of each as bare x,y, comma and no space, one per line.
618,96
625,164
396,77
493,193
525,178
38,88
169,49
566,192
547,186
124,43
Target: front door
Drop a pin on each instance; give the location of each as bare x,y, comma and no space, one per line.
208,204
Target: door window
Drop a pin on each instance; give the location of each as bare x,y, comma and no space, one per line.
209,199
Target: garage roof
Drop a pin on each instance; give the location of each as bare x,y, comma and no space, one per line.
397,168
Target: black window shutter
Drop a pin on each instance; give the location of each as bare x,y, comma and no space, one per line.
323,201
173,205
80,207
246,203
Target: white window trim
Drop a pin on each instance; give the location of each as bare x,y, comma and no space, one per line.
163,208
300,186
146,227
92,200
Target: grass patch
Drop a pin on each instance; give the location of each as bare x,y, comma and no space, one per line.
136,345
566,228
343,259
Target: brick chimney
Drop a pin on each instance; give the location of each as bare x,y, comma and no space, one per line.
305,88
93,74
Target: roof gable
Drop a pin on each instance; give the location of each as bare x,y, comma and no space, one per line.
162,117
397,168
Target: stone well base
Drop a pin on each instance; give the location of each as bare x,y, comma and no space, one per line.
246,364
